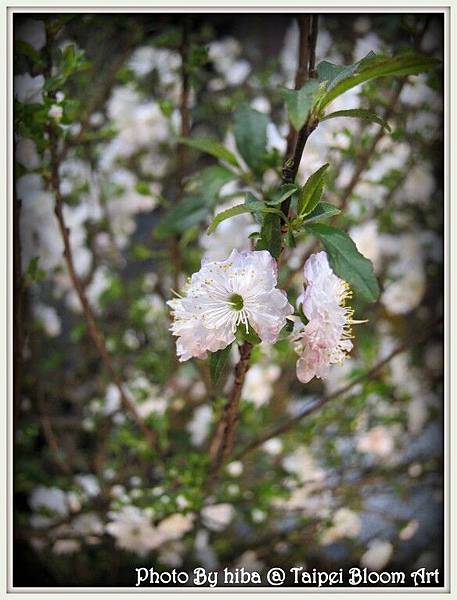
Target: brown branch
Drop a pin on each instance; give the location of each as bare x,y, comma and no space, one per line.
314,406
92,328
223,439
51,437
304,25
307,55
222,443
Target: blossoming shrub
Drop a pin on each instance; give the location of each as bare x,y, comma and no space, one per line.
200,223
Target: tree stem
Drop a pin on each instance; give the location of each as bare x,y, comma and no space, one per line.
223,439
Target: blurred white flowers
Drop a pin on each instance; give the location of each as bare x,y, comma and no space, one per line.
378,441
217,516
32,32
378,555
238,291
325,340
28,89
346,523
134,531
231,233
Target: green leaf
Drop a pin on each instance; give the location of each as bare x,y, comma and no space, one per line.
358,113
253,203
310,194
372,67
196,208
21,47
282,193
239,209
247,336
209,181
300,102
212,147
143,188
323,211
347,262
188,213
34,271
327,71
217,362
333,74
250,130
290,239
270,235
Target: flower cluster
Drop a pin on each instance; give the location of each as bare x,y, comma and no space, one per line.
241,292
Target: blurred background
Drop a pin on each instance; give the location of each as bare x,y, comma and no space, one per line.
357,482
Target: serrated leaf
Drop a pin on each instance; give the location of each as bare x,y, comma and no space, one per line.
372,67
334,74
358,113
282,193
253,203
323,211
310,194
210,146
346,261
258,206
239,209
250,130
270,235
327,71
217,362
300,102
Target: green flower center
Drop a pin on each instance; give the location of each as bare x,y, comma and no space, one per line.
236,301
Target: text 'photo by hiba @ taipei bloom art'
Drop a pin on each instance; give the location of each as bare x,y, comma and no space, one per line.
228,310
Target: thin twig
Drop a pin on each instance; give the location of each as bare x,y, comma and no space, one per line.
92,328
51,437
366,156
223,439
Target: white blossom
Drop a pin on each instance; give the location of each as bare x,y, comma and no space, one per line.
217,516
33,32
49,319
378,441
55,112
175,526
26,154
199,425
346,523
366,238
28,89
133,530
377,555
409,530
326,339
238,291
